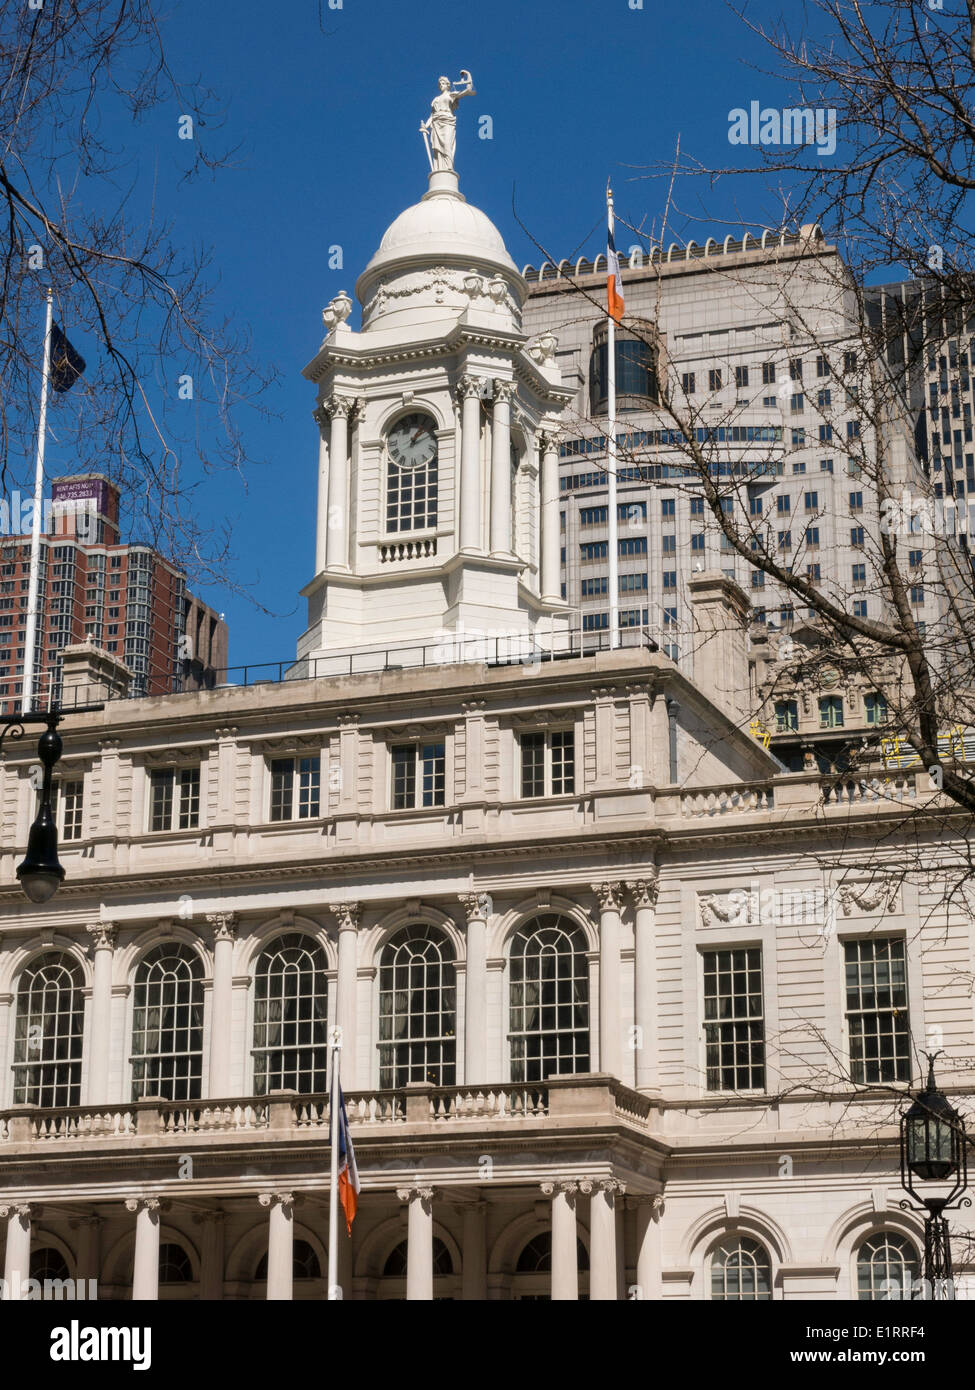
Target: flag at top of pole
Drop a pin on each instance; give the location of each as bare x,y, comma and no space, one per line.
615,285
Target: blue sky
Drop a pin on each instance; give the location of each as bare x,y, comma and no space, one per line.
326,117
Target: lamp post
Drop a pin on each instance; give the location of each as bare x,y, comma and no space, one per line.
41,872
934,1149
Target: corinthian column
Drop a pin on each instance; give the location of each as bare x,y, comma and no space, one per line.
609,896
551,582
603,1253
644,892
347,920
419,1242
145,1272
565,1242
469,391
477,906
321,530
340,409
103,936
280,1244
224,926
501,467
16,1265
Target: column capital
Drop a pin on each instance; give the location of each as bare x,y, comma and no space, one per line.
320,416
504,391
416,1193
103,935
608,895
653,1200
143,1204
224,925
280,1199
469,387
548,440
645,890
345,407
346,915
611,1186
553,1187
25,1210
477,906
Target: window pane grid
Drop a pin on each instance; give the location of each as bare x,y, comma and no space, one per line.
72,804
290,1023
167,1027
549,1000
417,1010
887,1268
876,1010
189,798
740,1272
48,1033
734,1028
161,800
532,765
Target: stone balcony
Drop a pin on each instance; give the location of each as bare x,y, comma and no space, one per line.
418,1113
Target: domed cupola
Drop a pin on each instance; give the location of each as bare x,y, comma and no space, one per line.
442,257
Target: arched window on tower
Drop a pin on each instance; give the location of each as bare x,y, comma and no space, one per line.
636,368
290,1016
417,1009
49,1032
167,1024
549,999
411,474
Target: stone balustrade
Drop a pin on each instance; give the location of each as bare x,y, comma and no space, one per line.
418,1107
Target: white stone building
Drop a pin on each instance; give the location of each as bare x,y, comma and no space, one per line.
604,971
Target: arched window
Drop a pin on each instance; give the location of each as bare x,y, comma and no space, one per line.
167,1025
174,1264
549,1013
305,1263
49,1032
740,1271
290,1017
887,1267
395,1266
417,1003
411,474
48,1263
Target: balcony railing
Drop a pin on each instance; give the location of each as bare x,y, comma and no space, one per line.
593,1096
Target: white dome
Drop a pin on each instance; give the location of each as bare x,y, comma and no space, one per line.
442,227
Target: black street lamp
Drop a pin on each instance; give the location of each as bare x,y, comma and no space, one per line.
41,873
934,1148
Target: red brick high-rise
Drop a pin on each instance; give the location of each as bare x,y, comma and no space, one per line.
125,597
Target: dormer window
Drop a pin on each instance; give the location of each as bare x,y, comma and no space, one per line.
411,474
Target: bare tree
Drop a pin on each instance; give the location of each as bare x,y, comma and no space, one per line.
165,379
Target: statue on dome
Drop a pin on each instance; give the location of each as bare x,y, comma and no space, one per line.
439,130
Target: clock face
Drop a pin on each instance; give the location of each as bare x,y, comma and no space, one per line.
412,442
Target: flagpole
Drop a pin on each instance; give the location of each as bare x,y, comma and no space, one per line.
33,592
611,460
335,1049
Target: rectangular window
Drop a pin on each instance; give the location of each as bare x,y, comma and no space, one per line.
419,775
697,540
669,544
734,1024
859,574
856,501
795,369
822,365
755,505
295,788
668,506
548,763
825,434
826,465
798,403
857,536
741,376
785,540
914,558
798,438
687,383
831,712
783,505
876,1010
714,379
812,501
70,797
697,506
799,467
174,799
824,398
859,608
768,373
